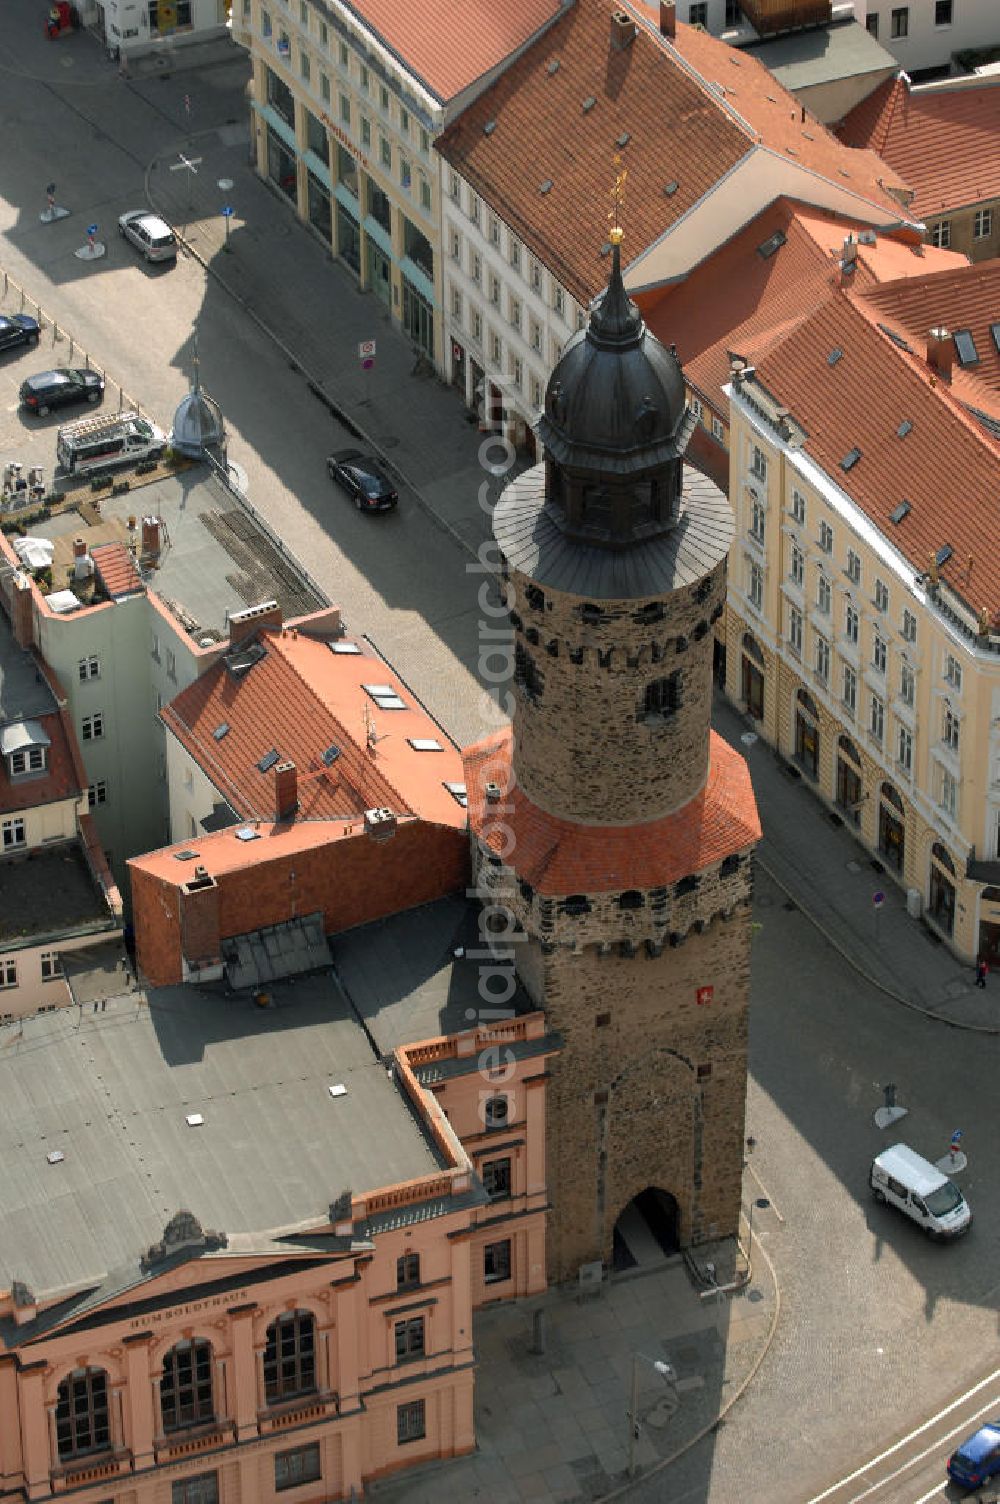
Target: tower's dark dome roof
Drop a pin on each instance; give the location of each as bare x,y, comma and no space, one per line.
615,400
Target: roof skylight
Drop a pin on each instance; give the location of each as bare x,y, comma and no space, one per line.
943,554
269,759
344,647
965,346
904,428
898,513
850,459
221,730
834,356
995,331
424,744
771,244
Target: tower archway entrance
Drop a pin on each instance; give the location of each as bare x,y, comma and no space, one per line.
647,1231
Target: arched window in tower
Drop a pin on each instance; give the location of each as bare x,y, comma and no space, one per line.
527,673
186,1386
643,502
290,1356
597,508
82,1421
661,698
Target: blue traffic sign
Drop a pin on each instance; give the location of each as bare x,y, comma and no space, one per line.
227,210
878,899
91,229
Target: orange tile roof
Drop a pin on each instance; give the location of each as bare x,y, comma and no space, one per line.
965,298
116,569
559,857
62,777
448,52
299,699
223,852
741,301
946,466
678,128
943,140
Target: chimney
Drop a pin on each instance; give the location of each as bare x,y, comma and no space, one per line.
151,537
247,623
79,548
622,30
286,791
22,612
668,19
940,352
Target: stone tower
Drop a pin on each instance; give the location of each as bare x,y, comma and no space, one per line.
610,822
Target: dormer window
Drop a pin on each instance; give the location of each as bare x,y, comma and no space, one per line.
31,760
25,746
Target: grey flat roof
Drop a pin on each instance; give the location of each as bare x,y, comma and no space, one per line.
217,558
404,979
49,892
823,54
24,693
112,1090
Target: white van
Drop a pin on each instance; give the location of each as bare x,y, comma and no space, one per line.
104,442
905,1179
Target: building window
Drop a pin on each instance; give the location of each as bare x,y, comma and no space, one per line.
366,132
496,349
982,224
853,566
13,833
757,520
697,408
798,565
202,1488
795,629
559,302
850,688
904,750
324,88
304,66
383,98
30,760
823,594
876,718
456,246
456,304
881,596
950,729
698,13
89,668
734,14
496,1111
826,537
475,207
515,254
476,267
718,430
405,175
900,22
8,974
535,277
517,372
82,1421
907,680
408,1271
301,1465
496,1262
290,1356
385,153
755,589
851,621
410,1338
515,312
265,25
344,56
822,659
662,697
363,78
92,726
404,121
536,392
878,654
477,326
949,794
51,965
324,34
942,12
940,234
345,110
494,290
497,1179
871,23
798,507
758,463
186,1386
953,671
909,626
97,793
536,336
425,194
411,1421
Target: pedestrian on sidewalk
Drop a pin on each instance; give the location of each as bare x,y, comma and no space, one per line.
982,971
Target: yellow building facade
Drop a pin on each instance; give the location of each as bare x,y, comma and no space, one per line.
878,685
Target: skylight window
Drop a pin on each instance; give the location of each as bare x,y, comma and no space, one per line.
424,744
489,127
247,833
344,647
546,186
458,793
850,459
269,759
671,188
898,513
965,346
330,755
771,244
221,730
995,331
943,554
385,696
904,428
623,139
834,356
553,67
588,103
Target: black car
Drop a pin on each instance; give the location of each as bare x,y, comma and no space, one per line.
364,478
17,329
61,388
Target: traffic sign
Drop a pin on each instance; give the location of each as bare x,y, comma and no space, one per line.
704,995
878,899
366,349
227,210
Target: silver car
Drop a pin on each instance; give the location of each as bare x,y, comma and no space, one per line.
149,234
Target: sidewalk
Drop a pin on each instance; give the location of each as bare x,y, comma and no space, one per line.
553,1427
827,874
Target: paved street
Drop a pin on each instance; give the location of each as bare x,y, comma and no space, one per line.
877,1327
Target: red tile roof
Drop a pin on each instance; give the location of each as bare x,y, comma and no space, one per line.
945,466
300,699
61,779
741,301
558,857
944,140
449,51
678,127
966,298
116,569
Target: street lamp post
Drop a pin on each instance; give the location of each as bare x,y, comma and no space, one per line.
668,1375
761,1204
225,184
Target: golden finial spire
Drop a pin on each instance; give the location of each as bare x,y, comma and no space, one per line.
617,200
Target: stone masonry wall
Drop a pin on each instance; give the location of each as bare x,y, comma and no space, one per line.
585,749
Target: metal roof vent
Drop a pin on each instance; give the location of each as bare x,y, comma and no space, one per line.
338,1090
623,139
671,188
380,824
493,792
588,103
489,127
904,428
553,67
546,186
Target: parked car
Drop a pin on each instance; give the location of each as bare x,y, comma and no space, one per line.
977,1459
17,329
61,388
149,234
364,478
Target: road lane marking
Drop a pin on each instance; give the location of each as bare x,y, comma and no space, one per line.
922,1456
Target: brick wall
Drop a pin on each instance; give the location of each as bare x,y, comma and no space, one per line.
584,752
